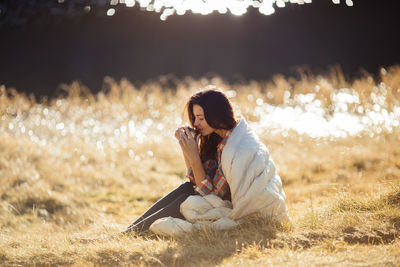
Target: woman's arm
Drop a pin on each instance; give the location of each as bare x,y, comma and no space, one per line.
178,134
190,151
187,163
198,170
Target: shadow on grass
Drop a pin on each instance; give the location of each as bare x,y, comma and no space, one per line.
208,246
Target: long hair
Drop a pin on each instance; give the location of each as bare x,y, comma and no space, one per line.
218,113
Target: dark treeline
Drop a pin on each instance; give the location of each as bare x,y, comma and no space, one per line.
22,12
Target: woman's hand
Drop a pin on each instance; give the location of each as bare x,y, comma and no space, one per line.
188,143
179,131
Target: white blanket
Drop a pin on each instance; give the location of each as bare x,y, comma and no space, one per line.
254,183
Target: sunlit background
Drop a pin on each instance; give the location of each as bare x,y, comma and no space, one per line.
317,109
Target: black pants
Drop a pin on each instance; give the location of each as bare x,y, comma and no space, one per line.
169,205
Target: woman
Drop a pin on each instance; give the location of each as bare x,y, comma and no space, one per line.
211,114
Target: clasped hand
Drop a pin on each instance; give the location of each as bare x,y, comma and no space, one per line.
188,143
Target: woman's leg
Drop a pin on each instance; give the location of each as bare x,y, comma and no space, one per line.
172,209
185,188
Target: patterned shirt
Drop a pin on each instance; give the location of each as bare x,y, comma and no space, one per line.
215,181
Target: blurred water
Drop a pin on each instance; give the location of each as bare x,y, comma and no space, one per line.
116,127
306,116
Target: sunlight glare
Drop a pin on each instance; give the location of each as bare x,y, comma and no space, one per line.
206,7
336,113
280,3
111,12
150,8
266,7
87,9
128,3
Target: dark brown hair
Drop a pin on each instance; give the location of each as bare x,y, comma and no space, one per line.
218,113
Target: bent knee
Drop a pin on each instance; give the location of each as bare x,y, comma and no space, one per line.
183,197
187,187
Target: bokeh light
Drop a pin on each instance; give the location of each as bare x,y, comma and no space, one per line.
145,117
168,8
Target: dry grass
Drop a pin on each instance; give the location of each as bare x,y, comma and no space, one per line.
85,165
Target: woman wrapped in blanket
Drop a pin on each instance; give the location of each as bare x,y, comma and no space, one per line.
212,117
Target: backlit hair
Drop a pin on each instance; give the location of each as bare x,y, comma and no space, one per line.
218,113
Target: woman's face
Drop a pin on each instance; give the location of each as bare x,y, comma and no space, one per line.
200,122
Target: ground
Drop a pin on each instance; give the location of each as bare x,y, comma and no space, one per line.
85,165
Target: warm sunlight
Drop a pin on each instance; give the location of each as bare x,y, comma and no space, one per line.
146,133
205,7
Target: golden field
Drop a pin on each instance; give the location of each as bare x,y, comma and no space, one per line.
83,165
